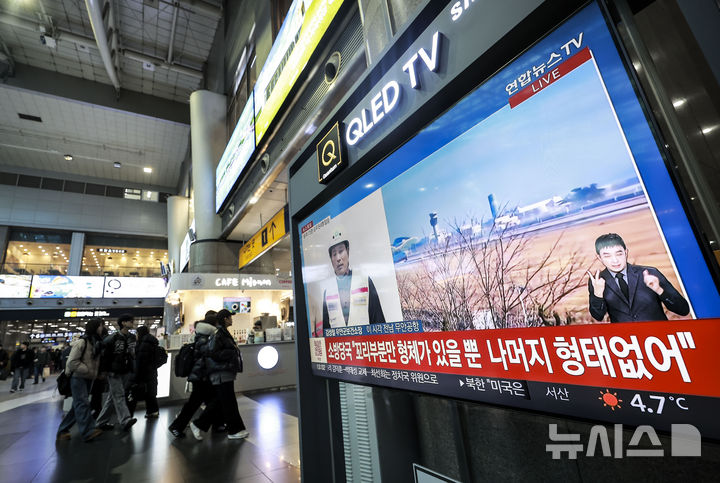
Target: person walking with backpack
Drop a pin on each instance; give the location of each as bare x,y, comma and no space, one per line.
202,390
82,366
21,362
223,363
118,355
147,360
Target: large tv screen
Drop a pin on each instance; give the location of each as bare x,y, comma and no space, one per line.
15,286
527,248
305,24
62,286
236,154
135,287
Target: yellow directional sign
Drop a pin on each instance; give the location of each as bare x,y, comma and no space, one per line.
265,239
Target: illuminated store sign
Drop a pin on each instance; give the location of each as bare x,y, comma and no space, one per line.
382,103
386,99
330,154
225,281
110,250
305,24
54,335
244,282
86,313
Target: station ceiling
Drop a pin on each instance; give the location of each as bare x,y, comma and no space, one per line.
54,75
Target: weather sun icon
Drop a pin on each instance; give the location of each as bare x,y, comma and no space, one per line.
610,399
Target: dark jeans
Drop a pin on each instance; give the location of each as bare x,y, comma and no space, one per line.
96,396
39,373
224,403
151,404
80,412
202,392
20,374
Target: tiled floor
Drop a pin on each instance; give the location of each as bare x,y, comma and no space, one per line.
29,452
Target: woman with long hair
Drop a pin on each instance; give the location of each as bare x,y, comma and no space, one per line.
82,366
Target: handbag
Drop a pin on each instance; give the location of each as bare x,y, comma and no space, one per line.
63,384
46,372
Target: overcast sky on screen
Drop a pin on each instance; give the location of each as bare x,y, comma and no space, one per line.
562,138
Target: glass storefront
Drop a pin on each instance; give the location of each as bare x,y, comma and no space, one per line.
37,253
31,252
122,261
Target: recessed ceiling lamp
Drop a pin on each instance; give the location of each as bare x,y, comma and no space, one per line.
147,169
117,165
68,157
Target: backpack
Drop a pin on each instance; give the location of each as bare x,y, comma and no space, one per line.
160,356
185,360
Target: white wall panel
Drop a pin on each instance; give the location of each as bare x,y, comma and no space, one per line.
30,207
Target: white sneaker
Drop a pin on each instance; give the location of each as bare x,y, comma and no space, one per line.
196,432
239,435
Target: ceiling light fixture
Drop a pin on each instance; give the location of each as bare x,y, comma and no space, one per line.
678,102
68,157
117,165
147,169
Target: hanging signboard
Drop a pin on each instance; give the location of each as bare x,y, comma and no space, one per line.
268,236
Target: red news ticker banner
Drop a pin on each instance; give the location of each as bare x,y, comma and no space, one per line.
551,76
671,357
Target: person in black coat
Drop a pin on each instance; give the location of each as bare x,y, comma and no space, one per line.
223,364
21,362
202,390
146,369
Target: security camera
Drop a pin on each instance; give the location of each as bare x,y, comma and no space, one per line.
332,67
59,302
264,163
29,302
